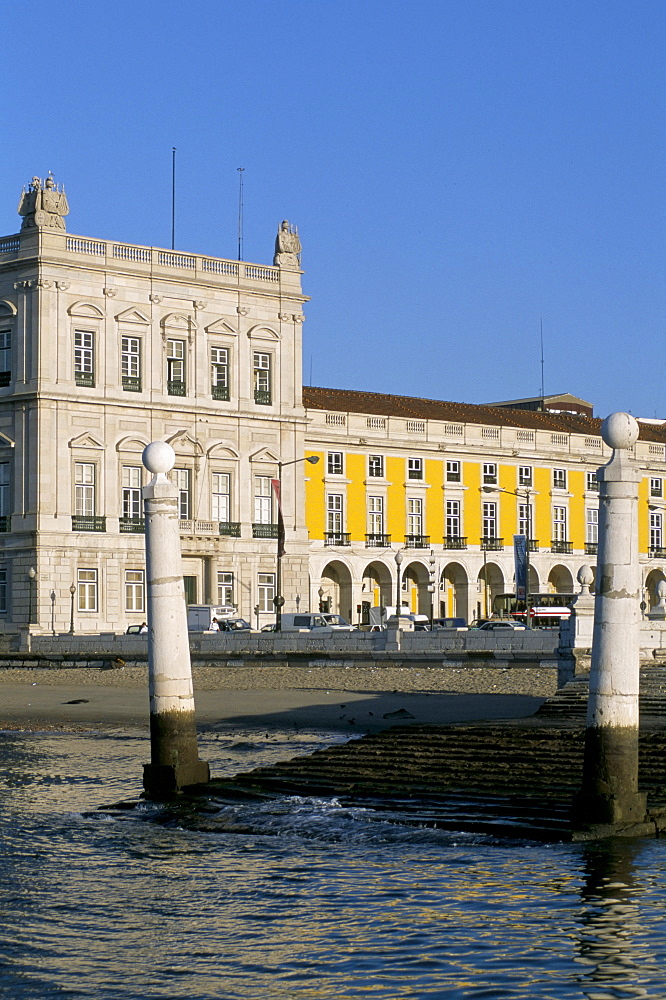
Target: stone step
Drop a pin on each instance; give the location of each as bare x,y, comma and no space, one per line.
571,699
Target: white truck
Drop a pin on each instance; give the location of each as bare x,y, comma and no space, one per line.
200,616
380,616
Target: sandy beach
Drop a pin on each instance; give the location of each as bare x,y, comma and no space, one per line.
324,698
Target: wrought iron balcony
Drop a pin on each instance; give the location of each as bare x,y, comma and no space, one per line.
417,541
562,548
533,545
377,541
175,388
132,525
131,383
455,542
590,548
656,552
263,396
492,545
264,530
85,378
5,522
81,522
220,392
231,528
337,538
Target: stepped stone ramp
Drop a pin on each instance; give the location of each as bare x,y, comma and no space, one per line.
570,701
514,779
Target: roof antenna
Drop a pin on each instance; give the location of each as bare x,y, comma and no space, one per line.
173,197
542,390
241,171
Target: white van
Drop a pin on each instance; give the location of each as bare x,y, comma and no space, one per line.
200,616
315,622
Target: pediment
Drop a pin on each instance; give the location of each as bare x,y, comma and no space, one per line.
131,444
184,444
85,310
7,308
264,455
133,316
222,449
178,321
221,326
261,332
86,440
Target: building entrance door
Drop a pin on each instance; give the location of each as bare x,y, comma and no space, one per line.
190,583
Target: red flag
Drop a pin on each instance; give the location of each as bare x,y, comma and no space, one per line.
280,521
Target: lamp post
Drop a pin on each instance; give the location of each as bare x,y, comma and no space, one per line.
398,595
32,576
525,496
278,600
431,585
320,595
72,591
53,600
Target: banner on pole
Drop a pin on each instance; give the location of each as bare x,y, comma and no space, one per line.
520,565
280,521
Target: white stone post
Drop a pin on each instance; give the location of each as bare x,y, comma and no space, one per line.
174,758
609,794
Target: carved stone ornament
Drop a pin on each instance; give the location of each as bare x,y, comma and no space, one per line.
62,285
44,205
111,292
299,317
284,316
242,310
43,283
156,299
23,284
287,247
199,304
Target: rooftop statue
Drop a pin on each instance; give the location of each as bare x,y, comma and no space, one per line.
287,246
43,204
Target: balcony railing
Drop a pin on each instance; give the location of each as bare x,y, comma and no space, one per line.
263,397
377,541
231,528
656,552
132,525
220,392
533,545
85,378
5,523
81,522
417,541
131,383
264,530
455,542
337,538
191,527
563,548
492,545
175,388
590,548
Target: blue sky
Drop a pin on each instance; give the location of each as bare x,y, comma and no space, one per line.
460,171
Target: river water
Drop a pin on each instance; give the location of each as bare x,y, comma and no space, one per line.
299,898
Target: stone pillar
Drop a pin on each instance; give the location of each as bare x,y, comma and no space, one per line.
174,757
609,794
576,631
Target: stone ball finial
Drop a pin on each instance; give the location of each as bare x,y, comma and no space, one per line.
585,576
620,430
158,457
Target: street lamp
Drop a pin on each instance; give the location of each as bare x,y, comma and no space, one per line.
278,600
72,591
53,600
431,585
525,496
32,576
398,595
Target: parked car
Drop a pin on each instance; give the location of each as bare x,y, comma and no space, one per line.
137,629
337,622
234,625
268,628
501,624
449,623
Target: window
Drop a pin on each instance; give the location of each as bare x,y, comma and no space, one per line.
225,588
134,590
130,364
219,372
5,493
453,472
5,357
525,475
262,378
131,492
375,466
84,480
220,506
414,516
181,480
655,530
415,468
266,591
592,525
453,518
334,463
489,474
263,500
3,591
525,519
87,589
334,513
490,519
176,367
559,524
559,479
376,515
591,482
656,488
84,358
